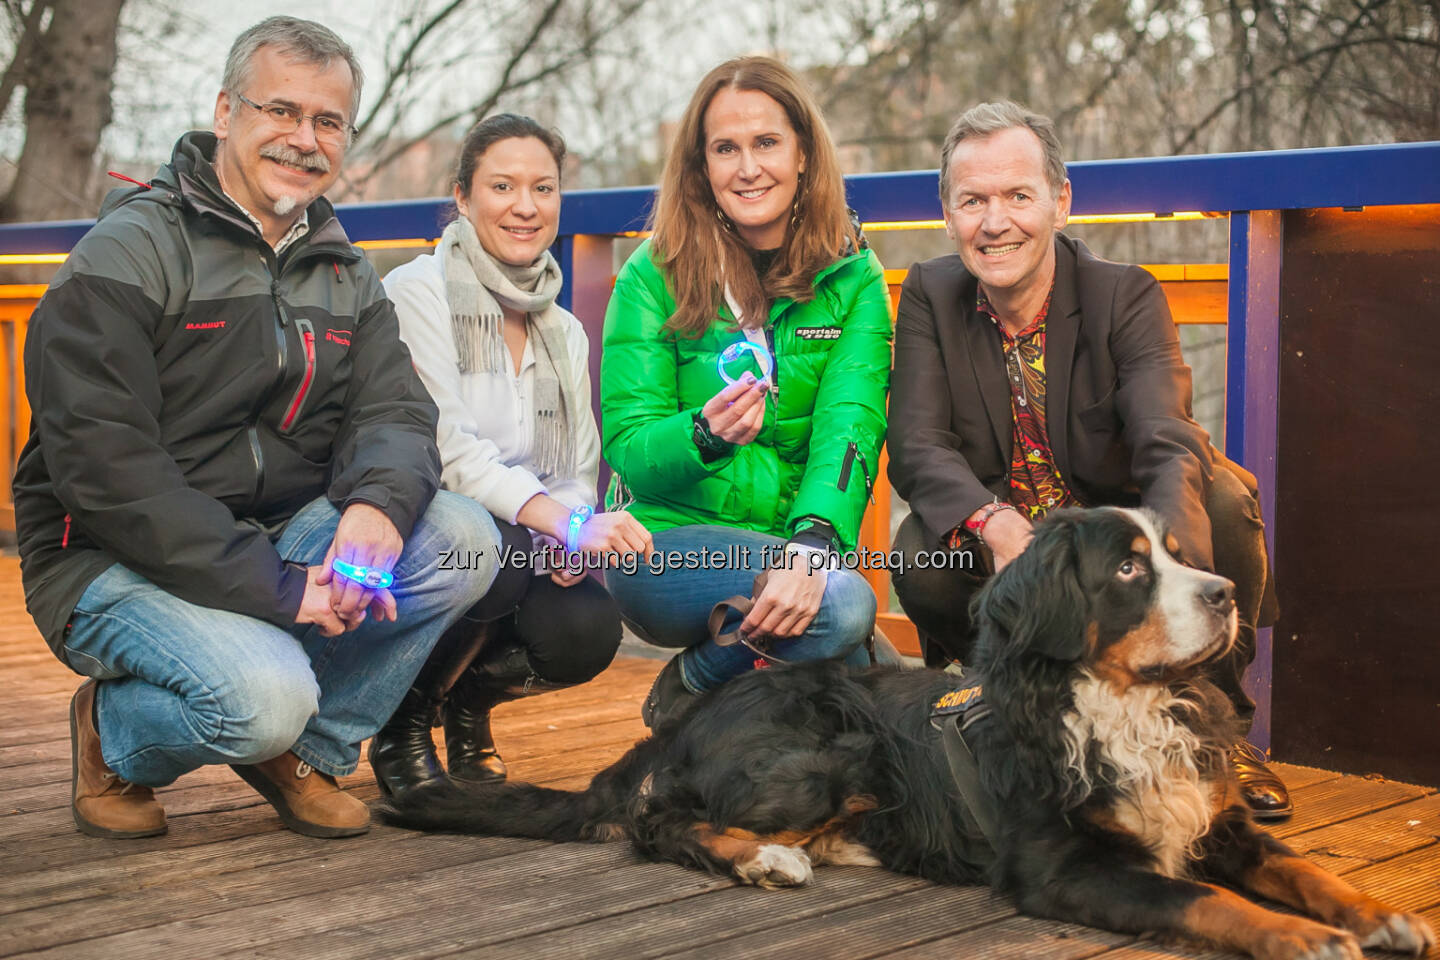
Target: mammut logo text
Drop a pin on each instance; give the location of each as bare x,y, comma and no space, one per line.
212,325
341,337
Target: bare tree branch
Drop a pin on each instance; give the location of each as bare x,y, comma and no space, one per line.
19,64
1252,88
402,66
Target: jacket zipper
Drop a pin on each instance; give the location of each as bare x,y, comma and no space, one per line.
774,360
852,453
307,337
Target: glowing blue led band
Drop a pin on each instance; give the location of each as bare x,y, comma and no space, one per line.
578,516
732,353
374,579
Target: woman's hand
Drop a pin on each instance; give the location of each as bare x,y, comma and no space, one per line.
789,601
737,413
616,532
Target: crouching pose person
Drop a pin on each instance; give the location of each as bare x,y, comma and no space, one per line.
509,371
743,381
231,461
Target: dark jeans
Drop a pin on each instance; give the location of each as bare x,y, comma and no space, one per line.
570,634
938,601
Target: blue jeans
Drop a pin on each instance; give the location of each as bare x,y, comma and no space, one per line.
184,685
668,604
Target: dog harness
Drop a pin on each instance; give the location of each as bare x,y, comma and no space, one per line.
953,714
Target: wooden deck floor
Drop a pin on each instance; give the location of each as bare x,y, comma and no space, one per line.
229,881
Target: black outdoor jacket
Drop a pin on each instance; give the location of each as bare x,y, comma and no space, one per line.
191,391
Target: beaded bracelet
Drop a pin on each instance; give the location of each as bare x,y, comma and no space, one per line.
976,525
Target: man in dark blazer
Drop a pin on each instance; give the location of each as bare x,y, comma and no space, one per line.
1032,375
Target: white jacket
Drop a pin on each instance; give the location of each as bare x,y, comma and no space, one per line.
487,420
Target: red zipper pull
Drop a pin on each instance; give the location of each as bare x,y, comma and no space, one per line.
121,176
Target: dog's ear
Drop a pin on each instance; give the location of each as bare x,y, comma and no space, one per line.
1036,603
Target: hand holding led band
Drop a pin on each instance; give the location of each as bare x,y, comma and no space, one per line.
366,577
732,353
578,516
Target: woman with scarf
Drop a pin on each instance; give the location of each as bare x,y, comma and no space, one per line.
508,369
746,360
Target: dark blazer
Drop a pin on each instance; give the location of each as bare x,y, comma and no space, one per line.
1117,397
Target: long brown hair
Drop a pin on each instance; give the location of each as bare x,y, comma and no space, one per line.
693,245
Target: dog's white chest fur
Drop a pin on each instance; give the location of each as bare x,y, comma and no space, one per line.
1152,760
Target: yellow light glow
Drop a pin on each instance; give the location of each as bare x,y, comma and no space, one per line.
1140,217
413,243
24,259
879,226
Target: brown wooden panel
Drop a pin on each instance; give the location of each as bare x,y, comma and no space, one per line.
1356,663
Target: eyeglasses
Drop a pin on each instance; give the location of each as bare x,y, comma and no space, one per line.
286,118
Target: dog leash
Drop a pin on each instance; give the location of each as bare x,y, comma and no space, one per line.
741,605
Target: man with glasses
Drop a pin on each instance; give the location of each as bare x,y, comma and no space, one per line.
227,507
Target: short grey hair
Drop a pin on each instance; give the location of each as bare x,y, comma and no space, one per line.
302,40
984,119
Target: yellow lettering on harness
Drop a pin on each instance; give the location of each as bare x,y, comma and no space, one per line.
957,698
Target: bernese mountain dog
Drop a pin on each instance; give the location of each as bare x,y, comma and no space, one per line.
1099,750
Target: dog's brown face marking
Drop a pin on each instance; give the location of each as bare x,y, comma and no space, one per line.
1171,544
1140,545
1128,660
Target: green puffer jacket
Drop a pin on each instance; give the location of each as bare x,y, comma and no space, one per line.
817,453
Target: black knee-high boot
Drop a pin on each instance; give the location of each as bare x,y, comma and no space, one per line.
500,674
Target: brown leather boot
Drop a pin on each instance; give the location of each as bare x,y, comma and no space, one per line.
103,804
308,801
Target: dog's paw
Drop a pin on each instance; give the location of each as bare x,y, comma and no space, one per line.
1304,940
1402,933
775,866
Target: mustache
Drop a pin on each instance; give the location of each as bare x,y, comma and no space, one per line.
314,160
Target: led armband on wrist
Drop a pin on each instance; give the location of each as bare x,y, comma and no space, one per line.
366,577
732,353
578,516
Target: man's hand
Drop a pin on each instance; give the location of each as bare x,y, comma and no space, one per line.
737,413
365,537
315,605
1007,533
789,601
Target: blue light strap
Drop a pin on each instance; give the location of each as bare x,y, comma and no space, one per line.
365,576
578,516
732,353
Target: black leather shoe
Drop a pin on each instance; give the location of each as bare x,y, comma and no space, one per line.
402,753
1263,791
668,698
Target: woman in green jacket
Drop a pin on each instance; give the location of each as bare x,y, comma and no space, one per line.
746,359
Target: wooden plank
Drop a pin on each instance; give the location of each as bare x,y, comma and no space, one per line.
660,931
392,914
867,930
147,919
1018,938
1335,800
1373,837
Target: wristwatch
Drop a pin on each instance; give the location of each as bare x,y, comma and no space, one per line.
710,446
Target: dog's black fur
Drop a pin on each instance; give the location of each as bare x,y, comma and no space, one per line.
1094,629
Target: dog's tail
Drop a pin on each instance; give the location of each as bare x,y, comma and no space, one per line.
497,809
